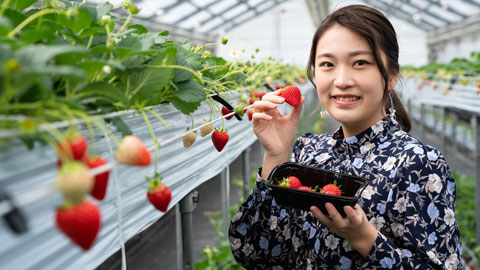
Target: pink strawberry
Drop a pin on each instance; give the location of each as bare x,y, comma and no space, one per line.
101,180
291,182
226,111
73,147
332,189
80,222
204,131
292,95
219,139
74,181
132,151
158,193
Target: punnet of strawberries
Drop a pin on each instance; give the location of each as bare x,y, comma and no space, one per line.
295,183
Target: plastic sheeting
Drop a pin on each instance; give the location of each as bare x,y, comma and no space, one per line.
125,210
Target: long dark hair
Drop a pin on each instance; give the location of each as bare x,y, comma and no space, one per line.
380,35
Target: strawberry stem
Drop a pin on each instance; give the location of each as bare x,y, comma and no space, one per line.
191,117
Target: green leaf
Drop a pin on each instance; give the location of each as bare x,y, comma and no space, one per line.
130,42
190,91
192,60
147,80
181,74
78,23
68,71
140,28
5,26
183,106
121,126
35,35
104,90
15,17
164,33
38,55
103,9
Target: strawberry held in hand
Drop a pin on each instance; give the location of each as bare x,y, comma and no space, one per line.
292,95
73,147
74,181
158,193
101,180
132,151
80,222
219,139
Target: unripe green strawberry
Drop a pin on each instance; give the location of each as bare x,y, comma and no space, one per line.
244,98
224,41
239,110
74,181
204,131
189,138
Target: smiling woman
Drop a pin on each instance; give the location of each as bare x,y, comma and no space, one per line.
404,218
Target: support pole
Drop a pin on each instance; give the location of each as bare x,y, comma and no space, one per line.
444,131
246,172
476,137
454,131
178,226
187,205
225,198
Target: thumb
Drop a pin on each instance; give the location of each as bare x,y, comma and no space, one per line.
295,113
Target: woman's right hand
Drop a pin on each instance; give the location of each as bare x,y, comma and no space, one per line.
275,131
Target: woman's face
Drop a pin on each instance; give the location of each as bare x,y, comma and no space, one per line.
349,83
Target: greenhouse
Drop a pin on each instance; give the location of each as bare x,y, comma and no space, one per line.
240,134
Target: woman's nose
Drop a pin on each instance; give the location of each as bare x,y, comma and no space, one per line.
343,78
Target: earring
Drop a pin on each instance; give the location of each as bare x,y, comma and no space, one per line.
323,113
392,108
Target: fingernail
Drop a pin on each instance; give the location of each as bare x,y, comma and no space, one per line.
280,99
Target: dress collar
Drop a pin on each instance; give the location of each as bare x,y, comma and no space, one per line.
376,134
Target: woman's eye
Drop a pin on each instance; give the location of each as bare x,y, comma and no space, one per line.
360,63
325,64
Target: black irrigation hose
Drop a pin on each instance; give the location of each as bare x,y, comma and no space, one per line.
219,99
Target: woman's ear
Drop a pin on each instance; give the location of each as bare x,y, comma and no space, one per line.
393,81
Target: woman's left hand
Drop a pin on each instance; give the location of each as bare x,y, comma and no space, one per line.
354,228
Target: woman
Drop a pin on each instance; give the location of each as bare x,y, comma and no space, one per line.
404,218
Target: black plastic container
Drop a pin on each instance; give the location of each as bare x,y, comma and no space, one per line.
352,187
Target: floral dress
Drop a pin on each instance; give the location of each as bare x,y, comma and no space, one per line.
410,200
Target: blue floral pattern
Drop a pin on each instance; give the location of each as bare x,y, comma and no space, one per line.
410,201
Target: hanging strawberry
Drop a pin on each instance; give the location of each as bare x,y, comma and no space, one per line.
101,180
74,181
226,111
189,138
219,139
132,151
73,147
80,222
158,193
204,131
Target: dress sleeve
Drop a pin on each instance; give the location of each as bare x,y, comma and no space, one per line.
424,233
259,232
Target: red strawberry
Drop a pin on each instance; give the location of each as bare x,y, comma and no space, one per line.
74,181
73,147
292,95
291,182
277,87
158,193
305,188
251,101
226,111
250,114
331,189
101,180
219,139
260,95
132,151
80,223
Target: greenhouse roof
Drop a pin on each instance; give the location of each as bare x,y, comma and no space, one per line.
211,18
